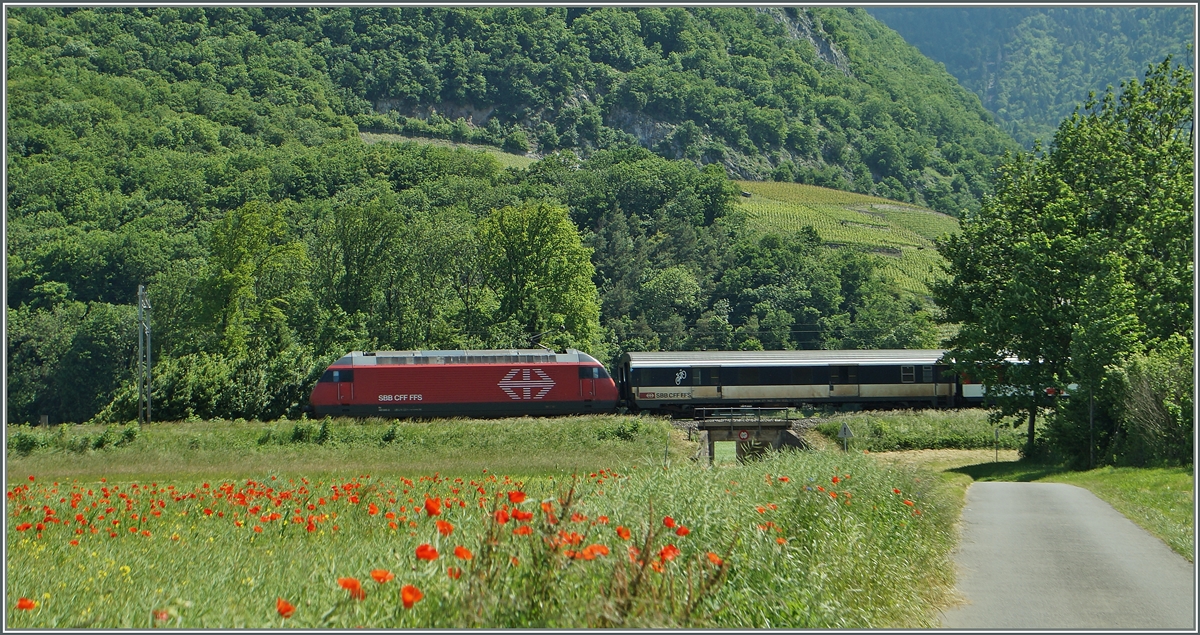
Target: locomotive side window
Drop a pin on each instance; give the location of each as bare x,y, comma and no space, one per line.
337,375
927,374
908,374
592,372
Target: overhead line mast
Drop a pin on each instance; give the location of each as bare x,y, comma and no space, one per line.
143,371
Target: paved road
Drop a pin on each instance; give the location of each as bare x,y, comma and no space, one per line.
1051,556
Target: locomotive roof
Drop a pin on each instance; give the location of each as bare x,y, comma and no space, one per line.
782,358
498,356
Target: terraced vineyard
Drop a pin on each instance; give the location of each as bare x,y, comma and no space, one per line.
900,232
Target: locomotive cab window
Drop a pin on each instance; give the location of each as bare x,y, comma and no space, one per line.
908,374
592,372
338,375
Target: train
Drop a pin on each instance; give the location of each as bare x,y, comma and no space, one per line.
518,382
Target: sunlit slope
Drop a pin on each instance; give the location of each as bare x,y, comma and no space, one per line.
900,232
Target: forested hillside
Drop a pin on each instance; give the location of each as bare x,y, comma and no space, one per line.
1032,65
214,155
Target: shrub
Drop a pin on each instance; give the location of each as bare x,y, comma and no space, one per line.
626,430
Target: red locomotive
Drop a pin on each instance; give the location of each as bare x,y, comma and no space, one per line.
491,383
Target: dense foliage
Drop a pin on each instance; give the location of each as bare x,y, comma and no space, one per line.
185,150
1081,266
825,96
1032,65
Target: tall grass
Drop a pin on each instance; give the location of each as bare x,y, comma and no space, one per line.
215,449
767,544
883,431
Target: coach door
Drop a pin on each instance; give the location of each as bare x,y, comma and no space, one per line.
345,385
843,381
587,381
706,382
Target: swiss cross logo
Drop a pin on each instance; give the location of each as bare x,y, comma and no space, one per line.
533,383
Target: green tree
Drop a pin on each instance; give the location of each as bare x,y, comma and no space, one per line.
1081,251
541,273
256,269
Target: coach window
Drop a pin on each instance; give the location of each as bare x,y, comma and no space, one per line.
927,374
908,374
843,374
802,375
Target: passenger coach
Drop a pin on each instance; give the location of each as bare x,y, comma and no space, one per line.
682,381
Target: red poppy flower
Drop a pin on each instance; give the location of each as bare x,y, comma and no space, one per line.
833,495
284,607
820,489
410,595
501,516
835,480
623,532
74,543
603,520
895,491
26,604
426,552
682,531
781,540
354,587
433,506
463,553
783,479
715,559
668,553
908,502
523,530
372,509
454,573
382,575
444,528
161,615
578,518
516,497
668,522
522,515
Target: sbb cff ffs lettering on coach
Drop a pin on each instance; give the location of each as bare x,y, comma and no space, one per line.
518,382
495,383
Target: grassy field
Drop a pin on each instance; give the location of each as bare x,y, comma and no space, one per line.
885,431
506,159
903,233
207,525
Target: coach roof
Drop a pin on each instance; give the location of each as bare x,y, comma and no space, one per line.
782,358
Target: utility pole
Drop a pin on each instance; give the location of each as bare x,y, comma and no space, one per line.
143,371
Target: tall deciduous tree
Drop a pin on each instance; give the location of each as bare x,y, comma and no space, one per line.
1083,255
540,272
